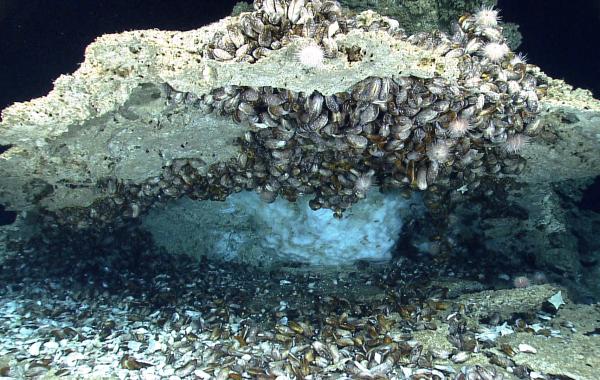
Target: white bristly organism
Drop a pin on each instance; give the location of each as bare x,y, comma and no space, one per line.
311,55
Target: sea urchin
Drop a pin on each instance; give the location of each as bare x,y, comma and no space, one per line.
311,56
439,151
459,127
494,51
487,16
515,143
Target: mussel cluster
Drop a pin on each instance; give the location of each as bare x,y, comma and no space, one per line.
402,132
275,24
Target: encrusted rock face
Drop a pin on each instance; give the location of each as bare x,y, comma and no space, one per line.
294,98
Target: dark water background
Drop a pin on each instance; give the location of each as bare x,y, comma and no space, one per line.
41,39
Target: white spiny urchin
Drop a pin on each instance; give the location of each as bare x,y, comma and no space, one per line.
495,51
363,184
459,127
516,143
487,16
513,87
439,151
519,58
311,56
521,282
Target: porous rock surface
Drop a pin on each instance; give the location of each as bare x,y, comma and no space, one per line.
573,353
109,118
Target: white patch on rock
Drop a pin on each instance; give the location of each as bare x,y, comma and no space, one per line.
557,300
34,349
246,229
491,334
524,347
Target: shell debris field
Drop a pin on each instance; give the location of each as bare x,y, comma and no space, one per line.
145,315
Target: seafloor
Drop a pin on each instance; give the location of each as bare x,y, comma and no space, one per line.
131,312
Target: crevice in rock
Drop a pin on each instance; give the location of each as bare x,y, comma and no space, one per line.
7,217
4,148
590,199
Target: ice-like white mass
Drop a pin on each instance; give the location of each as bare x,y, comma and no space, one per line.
248,229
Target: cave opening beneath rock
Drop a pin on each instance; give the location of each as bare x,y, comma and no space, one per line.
4,148
6,217
590,199
387,233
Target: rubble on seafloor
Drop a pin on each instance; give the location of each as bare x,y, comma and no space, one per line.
132,312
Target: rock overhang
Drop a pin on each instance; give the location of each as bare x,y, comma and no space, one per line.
126,114
119,81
